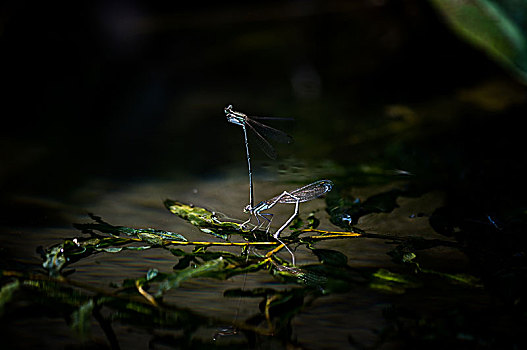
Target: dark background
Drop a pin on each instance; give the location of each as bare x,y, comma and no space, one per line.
126,90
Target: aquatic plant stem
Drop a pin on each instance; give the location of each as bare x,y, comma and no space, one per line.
338,233
147,296
336,236
275,250
267,314
243,244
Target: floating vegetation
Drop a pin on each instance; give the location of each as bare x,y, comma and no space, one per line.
143,300
346,212
6,293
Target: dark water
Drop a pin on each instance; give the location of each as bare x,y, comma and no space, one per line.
114,108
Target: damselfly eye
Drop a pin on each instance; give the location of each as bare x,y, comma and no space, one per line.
247,208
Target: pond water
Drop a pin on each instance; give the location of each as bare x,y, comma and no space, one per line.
324,321
421,134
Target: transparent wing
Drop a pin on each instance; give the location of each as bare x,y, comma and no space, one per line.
269,132
306,193
263,143
272,118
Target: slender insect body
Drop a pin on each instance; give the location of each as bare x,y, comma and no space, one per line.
297,196
302,194
260,130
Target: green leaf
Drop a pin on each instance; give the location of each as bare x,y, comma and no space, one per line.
498,28
214,233
222,266
206,220
460,278
386,280
81,319
6,293
166,235
150,238
105,227
144,247
312,221
54,260
184,262
110,249
346,212
296,224
387,275
331,257
209,268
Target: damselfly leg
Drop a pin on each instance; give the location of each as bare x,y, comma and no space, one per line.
302,194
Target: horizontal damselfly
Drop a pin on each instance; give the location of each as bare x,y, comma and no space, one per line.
302,194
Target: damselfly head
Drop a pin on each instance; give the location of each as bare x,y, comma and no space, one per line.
234,117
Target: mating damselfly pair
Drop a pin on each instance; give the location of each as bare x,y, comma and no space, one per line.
297,196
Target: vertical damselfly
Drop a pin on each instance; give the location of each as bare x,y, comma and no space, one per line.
262,132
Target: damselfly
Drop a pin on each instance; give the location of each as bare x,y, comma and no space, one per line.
302,194
262,132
